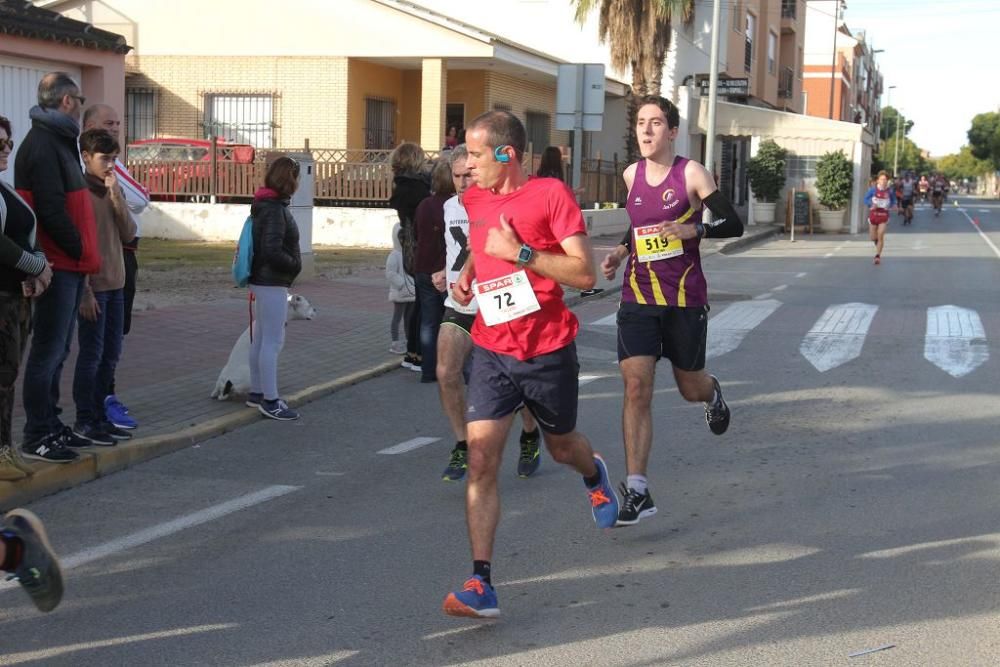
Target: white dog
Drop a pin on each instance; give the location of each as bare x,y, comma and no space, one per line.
235,376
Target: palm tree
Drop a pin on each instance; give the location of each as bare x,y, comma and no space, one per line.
638,32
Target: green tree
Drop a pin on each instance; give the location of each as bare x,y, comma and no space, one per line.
888,125
638,33
964,165
984,137
911,158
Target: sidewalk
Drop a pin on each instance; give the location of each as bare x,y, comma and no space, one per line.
173,356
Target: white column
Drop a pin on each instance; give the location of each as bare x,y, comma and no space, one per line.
754,147
856,205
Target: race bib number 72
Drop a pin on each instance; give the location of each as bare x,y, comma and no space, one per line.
506,298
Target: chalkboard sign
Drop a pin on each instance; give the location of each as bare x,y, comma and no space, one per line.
799,210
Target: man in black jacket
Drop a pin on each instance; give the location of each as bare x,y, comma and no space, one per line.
48,175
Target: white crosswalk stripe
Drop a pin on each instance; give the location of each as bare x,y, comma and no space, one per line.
838,335
955,341
728,329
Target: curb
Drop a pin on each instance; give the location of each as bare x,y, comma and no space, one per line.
94,463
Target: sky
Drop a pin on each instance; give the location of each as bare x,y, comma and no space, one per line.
941,55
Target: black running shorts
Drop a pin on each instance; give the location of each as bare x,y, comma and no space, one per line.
906,202
456,319
548,384
679,334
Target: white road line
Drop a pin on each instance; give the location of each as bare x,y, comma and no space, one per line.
728,329
587,379
984,210
780,288
762,297
955,340
828,255
170,527
407,446
609,321
838,335
996,251
802,274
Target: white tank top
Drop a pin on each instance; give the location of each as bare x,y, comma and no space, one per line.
456,243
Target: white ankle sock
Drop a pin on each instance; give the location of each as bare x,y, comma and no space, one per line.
636,483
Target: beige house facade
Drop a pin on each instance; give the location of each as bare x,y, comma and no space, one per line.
351,74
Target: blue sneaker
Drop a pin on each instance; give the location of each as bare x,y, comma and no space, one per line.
117,413
603,501
477,599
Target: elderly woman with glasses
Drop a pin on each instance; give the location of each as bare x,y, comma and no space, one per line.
24,273
276,263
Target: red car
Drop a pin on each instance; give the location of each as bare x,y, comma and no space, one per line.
181,168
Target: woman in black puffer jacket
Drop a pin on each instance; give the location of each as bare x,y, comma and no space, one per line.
276,263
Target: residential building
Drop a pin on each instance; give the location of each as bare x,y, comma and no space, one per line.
37,41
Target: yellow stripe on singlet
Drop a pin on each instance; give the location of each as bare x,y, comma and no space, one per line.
681,293
684,217
635,284
654,282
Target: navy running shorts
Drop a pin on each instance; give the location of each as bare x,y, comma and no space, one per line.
679,334
548,384
456,319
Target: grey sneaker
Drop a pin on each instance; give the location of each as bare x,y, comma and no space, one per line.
277,409
254,399
39,572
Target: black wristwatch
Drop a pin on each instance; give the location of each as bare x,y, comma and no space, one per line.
700,230
525,254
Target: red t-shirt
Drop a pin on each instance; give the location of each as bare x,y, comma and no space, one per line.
543,212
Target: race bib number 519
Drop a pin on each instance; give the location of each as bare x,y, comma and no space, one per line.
506,298
650,247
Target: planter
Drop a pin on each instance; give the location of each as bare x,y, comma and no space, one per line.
763,213
831,221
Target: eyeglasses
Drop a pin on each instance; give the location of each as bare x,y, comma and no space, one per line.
6,143
83,100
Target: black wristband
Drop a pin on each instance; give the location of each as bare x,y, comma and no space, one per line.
627,239
699,229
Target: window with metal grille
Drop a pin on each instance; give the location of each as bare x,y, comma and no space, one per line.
500,106
140,114
788,8
748,48
244,119
380,123
537,127
800,167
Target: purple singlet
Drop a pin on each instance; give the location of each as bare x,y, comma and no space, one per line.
674,281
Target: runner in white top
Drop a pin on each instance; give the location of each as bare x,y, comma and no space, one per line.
454,338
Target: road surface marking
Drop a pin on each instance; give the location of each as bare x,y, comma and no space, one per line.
838,335
984,210
407,446
728,329
996,251
803,274
764,296
609,321
827,255
780,288
587,379
955,340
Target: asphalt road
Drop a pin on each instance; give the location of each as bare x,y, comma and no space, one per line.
852,504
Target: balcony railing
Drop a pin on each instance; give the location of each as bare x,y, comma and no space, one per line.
786,82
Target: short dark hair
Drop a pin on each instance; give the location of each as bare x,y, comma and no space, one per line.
98,141
5,124
551,164
668,108
283,176
502,129
53,87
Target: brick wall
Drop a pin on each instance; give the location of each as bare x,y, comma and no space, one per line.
522,96
310,93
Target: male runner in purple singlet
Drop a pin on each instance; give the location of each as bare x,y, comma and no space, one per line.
664,306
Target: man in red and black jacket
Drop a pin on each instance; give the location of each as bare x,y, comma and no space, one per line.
47,174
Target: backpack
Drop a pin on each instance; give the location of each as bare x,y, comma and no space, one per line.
243,259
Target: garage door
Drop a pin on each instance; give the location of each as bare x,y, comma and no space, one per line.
19,92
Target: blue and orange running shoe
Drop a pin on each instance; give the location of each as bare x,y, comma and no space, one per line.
477,599
603,501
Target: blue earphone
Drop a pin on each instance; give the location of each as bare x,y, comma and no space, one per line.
500,155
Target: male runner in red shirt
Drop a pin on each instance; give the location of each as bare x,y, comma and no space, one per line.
526,236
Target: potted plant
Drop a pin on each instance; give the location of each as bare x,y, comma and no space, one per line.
766,170
835,184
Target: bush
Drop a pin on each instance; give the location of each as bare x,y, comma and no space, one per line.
834,180
766,170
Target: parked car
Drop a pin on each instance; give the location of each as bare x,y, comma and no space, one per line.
178,169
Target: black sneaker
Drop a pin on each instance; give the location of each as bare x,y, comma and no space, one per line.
277,409
634,506
254,399
39,573
50,448
91,435
457,465
717,414
115,432
70,439
531,457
